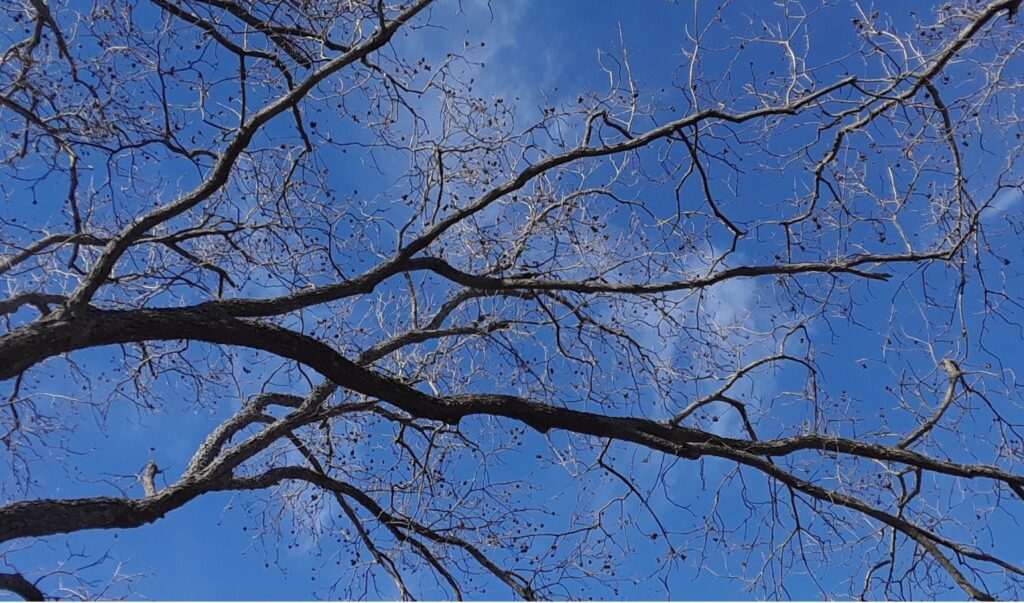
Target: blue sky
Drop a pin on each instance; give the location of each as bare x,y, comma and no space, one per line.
538,54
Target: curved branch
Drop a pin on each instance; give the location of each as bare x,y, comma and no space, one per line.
39,301
29,345
19,585
955,375
47,241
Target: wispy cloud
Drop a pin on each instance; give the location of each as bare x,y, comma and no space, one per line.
1007,200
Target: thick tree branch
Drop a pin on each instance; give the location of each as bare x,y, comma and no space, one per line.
19,585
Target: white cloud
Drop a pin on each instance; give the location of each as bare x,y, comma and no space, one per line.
1008,199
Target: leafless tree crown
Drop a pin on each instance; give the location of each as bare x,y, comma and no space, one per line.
754,319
